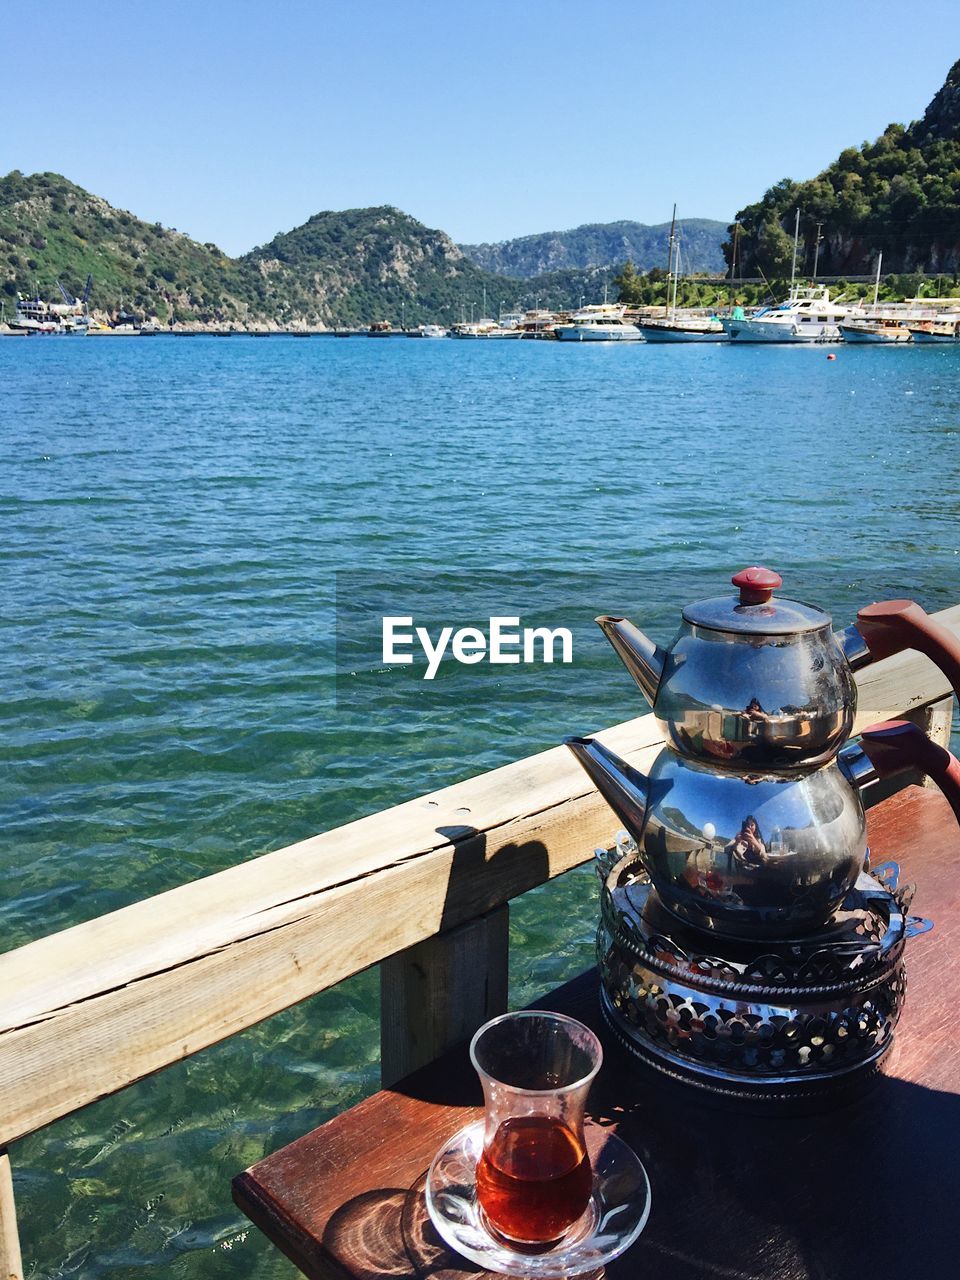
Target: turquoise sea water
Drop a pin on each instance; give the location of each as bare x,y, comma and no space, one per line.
176,517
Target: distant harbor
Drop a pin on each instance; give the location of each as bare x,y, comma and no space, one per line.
807,315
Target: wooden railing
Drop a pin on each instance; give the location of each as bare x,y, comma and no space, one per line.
420,889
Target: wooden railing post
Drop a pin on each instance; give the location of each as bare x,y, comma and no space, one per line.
11,1263
435,994
936,720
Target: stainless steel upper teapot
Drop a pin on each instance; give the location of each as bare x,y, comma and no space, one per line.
757,682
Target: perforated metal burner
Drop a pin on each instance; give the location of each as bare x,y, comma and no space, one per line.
764,1020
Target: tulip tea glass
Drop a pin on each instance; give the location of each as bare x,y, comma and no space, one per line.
534,1178
531,1190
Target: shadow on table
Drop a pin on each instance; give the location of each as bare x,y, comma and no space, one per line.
864,1189
389,1234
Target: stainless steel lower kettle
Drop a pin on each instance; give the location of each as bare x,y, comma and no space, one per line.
757,855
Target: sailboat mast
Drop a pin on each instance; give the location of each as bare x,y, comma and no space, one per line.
876,283
796,240
673,228
733,256
676,278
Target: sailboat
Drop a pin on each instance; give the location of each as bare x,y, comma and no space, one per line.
684,327
879,325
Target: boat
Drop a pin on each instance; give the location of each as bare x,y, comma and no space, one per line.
940,329
485,327
72,312
538,324
125,330
33,315
807,315
125,325
883,324
682,326
598,322
426,331
79,326
471,329
508,326
874,328
380,329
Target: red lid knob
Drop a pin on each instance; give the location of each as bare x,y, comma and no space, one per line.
756,584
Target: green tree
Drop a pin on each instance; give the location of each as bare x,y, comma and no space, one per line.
628,284
774,249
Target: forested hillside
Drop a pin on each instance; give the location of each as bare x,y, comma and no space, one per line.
899,194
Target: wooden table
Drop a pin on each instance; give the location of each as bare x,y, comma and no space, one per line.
868,1190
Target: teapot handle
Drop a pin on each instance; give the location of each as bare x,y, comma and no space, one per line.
894,745
895,625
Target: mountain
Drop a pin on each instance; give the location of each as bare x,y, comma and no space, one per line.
337,269
604,244
51,229
899,194
365,264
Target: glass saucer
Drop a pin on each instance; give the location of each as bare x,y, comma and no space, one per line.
617,1212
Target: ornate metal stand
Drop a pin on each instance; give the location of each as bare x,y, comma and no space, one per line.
762,1020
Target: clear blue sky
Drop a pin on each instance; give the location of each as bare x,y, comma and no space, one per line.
233,120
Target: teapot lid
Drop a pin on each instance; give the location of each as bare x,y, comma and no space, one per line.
756,610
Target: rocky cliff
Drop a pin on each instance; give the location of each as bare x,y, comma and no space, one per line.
607,244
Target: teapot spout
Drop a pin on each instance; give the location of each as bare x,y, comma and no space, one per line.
642,658
855,648
623,787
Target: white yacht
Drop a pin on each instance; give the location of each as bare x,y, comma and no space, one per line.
807,315
432,331
33,315
600,322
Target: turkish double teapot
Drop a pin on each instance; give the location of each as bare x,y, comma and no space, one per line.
750,823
